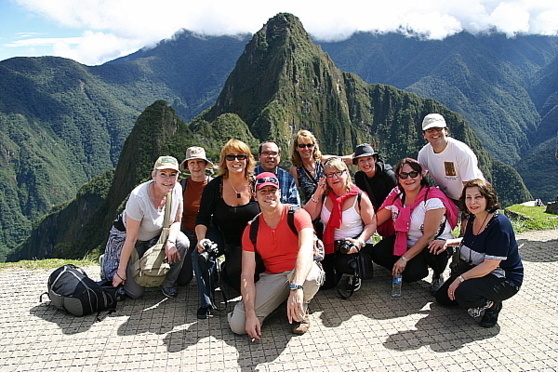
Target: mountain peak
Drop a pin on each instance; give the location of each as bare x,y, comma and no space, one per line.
283,82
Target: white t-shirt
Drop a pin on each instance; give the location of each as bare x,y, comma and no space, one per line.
416,230
140,208
451,167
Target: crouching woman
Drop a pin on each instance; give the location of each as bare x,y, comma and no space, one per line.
139,226
489,269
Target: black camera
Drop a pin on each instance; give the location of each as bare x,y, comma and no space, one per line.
211,250
343,246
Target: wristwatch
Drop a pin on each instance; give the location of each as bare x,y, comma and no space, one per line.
294,287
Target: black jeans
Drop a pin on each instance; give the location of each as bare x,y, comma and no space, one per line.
416,268
475,292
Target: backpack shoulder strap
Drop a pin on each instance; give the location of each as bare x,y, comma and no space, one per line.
290,218
254,226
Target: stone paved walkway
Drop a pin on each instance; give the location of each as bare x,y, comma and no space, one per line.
369,332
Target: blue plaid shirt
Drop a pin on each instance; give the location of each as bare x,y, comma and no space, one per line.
289,192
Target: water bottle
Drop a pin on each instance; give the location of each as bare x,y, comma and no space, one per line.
396,284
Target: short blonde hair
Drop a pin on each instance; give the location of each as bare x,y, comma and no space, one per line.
297,138
239,147
337,164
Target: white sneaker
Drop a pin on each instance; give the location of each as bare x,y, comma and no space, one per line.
477,312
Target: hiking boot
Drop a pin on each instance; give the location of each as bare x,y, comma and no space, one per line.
477,312
490,318
302,327
437,283
169,292
205,312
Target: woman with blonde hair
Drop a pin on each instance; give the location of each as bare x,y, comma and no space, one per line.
226,206
348,216
307,168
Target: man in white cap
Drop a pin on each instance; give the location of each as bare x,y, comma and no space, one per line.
451,163
290,275
195,163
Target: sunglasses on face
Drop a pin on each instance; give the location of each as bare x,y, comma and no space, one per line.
435,129
334,174
232,157
404,175
303,145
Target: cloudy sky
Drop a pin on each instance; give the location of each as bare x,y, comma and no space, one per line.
95,31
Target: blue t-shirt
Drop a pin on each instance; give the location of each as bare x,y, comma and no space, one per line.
496,241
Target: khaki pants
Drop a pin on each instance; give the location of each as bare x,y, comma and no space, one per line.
271,291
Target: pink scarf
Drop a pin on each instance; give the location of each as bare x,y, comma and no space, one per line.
403,220
336,217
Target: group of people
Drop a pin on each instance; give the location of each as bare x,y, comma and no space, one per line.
264,220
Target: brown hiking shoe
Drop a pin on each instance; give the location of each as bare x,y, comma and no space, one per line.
302,327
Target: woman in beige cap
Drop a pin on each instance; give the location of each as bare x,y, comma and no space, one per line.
196,163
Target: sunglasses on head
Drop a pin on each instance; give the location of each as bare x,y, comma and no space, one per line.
232,157
259,181
303,145
404,175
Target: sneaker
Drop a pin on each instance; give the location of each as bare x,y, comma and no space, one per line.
490,318
477,312
354,283
302,327
437,283
205,312
169,291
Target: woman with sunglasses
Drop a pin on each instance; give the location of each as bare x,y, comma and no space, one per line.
348,216
226,206
307,168
489,269
420,214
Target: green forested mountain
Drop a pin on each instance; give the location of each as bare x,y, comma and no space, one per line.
63,123
281,83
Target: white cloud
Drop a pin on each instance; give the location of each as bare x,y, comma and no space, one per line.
114,27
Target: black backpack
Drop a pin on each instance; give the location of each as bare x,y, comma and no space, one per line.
71,290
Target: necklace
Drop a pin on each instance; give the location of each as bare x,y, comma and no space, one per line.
237,193
480,229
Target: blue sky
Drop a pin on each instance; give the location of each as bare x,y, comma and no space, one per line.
95,31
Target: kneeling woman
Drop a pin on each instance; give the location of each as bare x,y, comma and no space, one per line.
347,214
490,269
420,213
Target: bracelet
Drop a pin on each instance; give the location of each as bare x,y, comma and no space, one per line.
404,258
121,278
314,199
461,278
